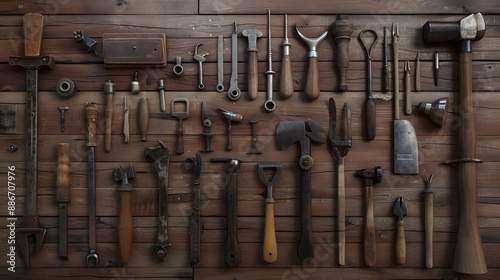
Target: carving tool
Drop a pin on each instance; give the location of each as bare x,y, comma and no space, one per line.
399,211
429,220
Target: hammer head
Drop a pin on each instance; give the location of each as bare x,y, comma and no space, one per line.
253,35
120,175
371,177
472,27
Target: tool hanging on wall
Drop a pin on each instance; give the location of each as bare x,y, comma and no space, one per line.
286,79
109,90
126,124
436,68
33,25
269,105
125,223
89,43
230,117
220,64
207,124
399,210
134,49
161,90
63,109
65,87
395,55
194,164
175,113
407,88
428,220
136,87
341,30
143,117
418,86
178,69
234,92
200,58
386,70
253,147
63,195
253,71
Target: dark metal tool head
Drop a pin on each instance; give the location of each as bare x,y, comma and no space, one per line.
194,164
232,165
471,27
400,209
371,177
291,132
157,152
179,114
253,35
199,57
122,176
428,180
339,147
86,41
262,167
23,236
231,116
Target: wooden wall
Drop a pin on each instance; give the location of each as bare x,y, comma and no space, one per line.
187,23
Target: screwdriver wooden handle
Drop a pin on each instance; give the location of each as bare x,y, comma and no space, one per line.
270,252
400,243
253,80
370,238
429,227
286,81
125,225
312,88
63,179
33,33
144,117
370,119
91,113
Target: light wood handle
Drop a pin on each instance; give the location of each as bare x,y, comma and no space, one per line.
370,238
395,53
286,81
270,252
126,126
417,76
407,94
63,178
125,226
341,209
33,33
109,121
429,227
253,80
91,113
400,243
144,117
312,88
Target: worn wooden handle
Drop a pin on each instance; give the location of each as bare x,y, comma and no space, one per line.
370,238
231,257
341,209
417,76
109,121
144,117
429,227
180,137
270,252
312,88
253,80
400,243
91,113
33,33
126,126
370,119
395,53
286,81
63,178
342,61
125,226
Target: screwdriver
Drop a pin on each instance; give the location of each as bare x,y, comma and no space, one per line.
286,81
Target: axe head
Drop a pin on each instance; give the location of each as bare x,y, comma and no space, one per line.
289,133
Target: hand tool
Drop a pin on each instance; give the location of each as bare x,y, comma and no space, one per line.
33,32
253,147
8,117
125,223
65,87
161,89
13,147
200,58
288,133
312,88
180,115
436,110
89,43
436,68
194,164
92,114
134,50
161,160
370,178
399,211
109,90
63,109
206,123
230,117
469,255
253,71
418,86
269,105
178,69
340,148
136,87
63,195
220,64
286,79
386,71
429,219
233,166
234,92
395,55
370,109
270,248
341,30
407,88
143,117
126,124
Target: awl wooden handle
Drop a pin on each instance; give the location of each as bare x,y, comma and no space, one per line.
144,117
270,252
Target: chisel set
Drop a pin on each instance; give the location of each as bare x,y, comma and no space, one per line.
149,51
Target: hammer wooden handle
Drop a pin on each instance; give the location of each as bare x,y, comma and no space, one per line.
125,226
429,227
270,252
63,179
400,243
370,238
312,88
253,80
144,117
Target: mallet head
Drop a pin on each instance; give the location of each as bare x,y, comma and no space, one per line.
472,27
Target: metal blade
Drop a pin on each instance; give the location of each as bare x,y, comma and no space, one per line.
290,132
400,209
405,148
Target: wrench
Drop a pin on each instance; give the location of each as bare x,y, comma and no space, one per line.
220,64
200,58
234,93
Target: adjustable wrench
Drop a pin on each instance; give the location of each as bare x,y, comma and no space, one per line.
200,58
234,93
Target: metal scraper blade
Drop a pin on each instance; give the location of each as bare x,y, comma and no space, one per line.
405,148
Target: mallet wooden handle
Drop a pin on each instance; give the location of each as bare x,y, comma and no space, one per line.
125,225
144,117
370,238
429,227
270,252
400,243
252,74
312,88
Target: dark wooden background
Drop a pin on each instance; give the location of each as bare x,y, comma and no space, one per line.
187,23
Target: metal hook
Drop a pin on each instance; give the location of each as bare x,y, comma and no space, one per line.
92,255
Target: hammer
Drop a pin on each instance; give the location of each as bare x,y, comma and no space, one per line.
469,255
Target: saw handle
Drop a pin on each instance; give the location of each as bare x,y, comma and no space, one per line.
400,243
91,113
231,257
370,238
125,225
143,117
63,179
270,252
312,88
429,227
252,73
33,24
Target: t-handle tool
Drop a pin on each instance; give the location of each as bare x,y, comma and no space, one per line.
370,109
399,211
342,29
194,164
340,148
207,124
429,219
230,117
109,90
312,87
63,195
286,80
269,105
200,58
253,73
370,178
180,115
125,223
233,166
234,92
270,249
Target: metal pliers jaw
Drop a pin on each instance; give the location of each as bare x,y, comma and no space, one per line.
92,255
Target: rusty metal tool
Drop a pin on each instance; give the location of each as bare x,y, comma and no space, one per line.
161,161
200,58
386,71
370,178
436,68
270,248
418,85
370,109
33,24
143,117
288,133
161,90
63,195
269,105
63,109
233,167
340,148
109,90
253,71
135,86
253,147
286,79
89,43
312,87
180,115
395,55
230,117
125,223
207,124
92,114
399,211
194,164
429,220
220,64
234,92
407,88
126,122
341,30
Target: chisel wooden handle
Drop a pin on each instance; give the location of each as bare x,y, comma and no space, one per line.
125,225
143,117
370,238
429,227
312,88
63,195
231,257
400,243
286,81
270,252
252,74
109,90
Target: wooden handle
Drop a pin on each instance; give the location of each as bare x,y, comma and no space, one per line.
63,178
342,61
144,117
253,80
306,248
231,257
395,53
341,209
125,226
400,243
33,33
429,227
91,113
407,94
126,126
286,81
312,88
417,76
386,82
370,238
270,252
370,119
109,121
180,136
